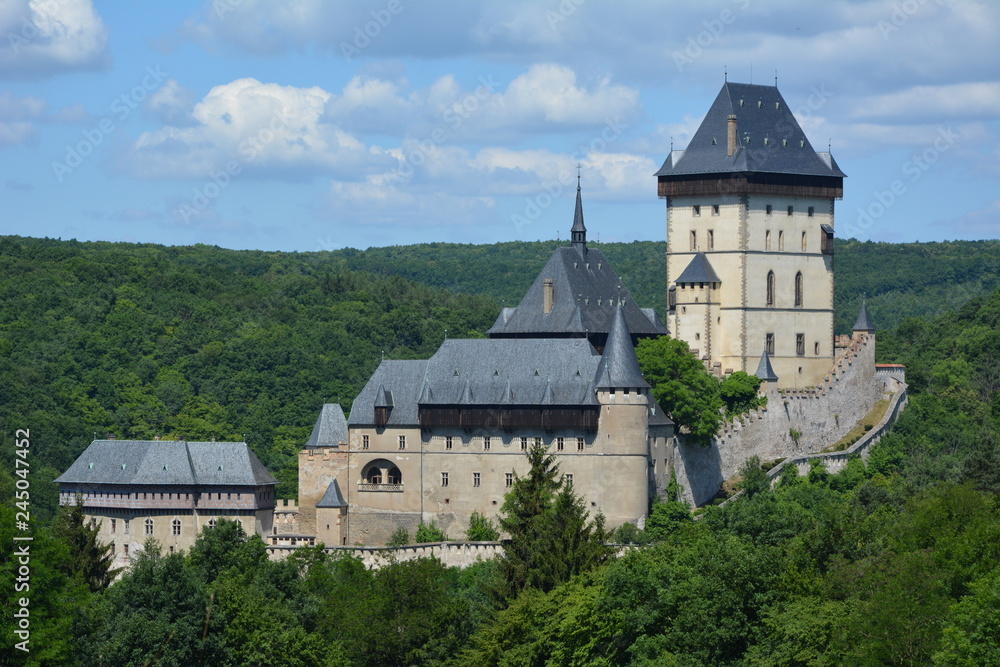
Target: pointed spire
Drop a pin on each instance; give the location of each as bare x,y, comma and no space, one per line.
864,322
764,370
578,233
619,368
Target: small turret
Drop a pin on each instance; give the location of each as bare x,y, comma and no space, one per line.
619,368
864,322
578,233
764,370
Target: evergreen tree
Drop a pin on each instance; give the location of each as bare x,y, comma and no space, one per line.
90,561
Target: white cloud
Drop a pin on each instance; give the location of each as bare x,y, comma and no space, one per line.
981,223
17,118
171,104
960,100
47,37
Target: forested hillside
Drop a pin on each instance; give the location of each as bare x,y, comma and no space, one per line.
893,563
899,280
201,342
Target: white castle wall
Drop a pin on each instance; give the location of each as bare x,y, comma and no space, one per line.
822,415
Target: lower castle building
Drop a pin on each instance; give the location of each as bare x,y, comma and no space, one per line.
169,490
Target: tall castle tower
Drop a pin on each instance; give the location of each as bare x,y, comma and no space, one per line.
750,219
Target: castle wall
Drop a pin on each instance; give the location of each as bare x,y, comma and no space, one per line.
822,415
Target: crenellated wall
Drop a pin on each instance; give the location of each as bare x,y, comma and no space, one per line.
795,422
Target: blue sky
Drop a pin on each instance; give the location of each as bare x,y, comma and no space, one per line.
306,125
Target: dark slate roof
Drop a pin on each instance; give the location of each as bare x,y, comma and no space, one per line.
332,497
657,417
619,367
864,322
586,291
167,462
492,371
764,370
763,115
330,429
699,270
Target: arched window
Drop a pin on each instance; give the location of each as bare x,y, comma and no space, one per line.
767,240
394,476
804,244
149,527
374,476
798,290
176,526
770,289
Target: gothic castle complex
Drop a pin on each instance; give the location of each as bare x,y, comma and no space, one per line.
750,219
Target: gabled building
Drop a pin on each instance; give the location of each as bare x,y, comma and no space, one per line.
169,490
439,439
750,220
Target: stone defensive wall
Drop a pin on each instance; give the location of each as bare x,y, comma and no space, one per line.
459,554
794,423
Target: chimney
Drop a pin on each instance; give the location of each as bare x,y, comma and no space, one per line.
730,135
548,294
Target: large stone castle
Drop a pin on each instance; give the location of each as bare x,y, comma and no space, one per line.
750,220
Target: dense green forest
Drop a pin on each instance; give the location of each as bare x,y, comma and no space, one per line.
896,562
198,342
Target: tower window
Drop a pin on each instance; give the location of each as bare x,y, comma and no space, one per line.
579,444
798,289
816,348
711,239
560,443
444,479
486,443
810,211
790,209
696,210
524,443
800,344
769,343
781,240
694,240
804,244
365,441
767,240
569,478
176,527
447,442
476,478
715,209
402,442
509,479
770,289
768,209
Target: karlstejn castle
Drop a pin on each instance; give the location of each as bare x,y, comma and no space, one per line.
750,266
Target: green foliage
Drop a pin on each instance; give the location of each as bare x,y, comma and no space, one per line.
753,477
551,538
666,518
429,532
481,529
739,393
681,385
400,537
90,560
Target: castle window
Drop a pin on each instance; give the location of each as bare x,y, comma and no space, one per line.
211,524
800,344
171,548
767,240
790,209
524,444
715,209
569,478
476,478
176,527
816,348
711,239
810,211
509,479
769,343
447,442
125,550
559,443
579,444
696,211
374,475
798,289
781,240
444,479
768,209
402,442
126,526
114,525
770,289
694,240
365,441
394,476
804,244
538,441
486,443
